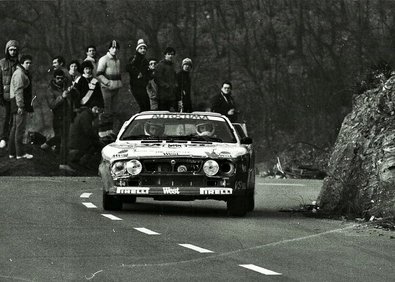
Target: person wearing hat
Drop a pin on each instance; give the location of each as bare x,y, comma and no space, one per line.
166,80
7,67
139,74
184,86
109,75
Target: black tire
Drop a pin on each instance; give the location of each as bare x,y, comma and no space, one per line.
237,206
250,201
111,203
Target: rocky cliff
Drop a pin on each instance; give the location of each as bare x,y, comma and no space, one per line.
361,170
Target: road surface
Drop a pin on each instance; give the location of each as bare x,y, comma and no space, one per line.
54,229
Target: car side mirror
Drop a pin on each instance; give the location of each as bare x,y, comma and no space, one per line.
246,140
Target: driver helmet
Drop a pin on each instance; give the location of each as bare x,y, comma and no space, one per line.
153,128
205,129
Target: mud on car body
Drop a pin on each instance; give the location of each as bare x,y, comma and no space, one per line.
179,156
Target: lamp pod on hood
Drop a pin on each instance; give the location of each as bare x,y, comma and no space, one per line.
11,43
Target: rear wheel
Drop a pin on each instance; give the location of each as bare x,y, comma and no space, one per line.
111,203
237,206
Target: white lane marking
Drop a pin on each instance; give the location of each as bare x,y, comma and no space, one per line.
146,231
85,195
196,248
281,184
259,269
89,205
110,216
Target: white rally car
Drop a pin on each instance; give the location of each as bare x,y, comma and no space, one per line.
179,156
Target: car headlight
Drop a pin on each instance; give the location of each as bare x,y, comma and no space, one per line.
134,167
210,167
228,168
118,168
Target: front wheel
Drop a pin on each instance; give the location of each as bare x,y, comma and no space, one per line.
237,206
111,203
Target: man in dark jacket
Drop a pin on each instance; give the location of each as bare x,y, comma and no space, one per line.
166,80
184,86
223,102
7,68
59,102
20,99
139,76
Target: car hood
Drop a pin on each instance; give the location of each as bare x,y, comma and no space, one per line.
167,150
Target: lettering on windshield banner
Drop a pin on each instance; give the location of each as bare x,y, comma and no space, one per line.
133,190
215,191
169,190
180,116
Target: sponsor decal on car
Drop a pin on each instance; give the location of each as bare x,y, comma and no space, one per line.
215,191
133,190
180,116
169,190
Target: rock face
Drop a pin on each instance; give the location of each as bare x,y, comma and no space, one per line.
361,170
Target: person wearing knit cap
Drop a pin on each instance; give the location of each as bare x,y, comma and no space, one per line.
184,86
109,75
166,80
139,74
7,67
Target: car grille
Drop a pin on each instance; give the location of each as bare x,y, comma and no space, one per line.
166,166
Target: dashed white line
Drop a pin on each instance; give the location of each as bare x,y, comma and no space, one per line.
196,248
259,269
110,216
146,231
89,205
85,195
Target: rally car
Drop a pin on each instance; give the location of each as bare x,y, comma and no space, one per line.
179,156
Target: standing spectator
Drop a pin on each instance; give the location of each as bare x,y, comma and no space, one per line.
7,67
166,79
139,76
88,88
184,86
91,57
74,71
152,88
59,102
84,141
223,102
109,75
59,62
21,99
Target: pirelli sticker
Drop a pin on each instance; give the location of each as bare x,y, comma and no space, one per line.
215,191
133,190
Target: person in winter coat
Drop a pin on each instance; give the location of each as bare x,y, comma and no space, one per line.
109,75
184,86
59,102
139,76
223,102
88,92
7,67
20,99
152,88
166,79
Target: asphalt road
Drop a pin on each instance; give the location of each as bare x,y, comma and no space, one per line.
54,229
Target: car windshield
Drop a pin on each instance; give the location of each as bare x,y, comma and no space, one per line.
179,128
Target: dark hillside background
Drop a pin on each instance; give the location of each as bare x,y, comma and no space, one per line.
294,64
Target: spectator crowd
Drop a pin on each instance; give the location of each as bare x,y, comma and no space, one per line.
81,98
